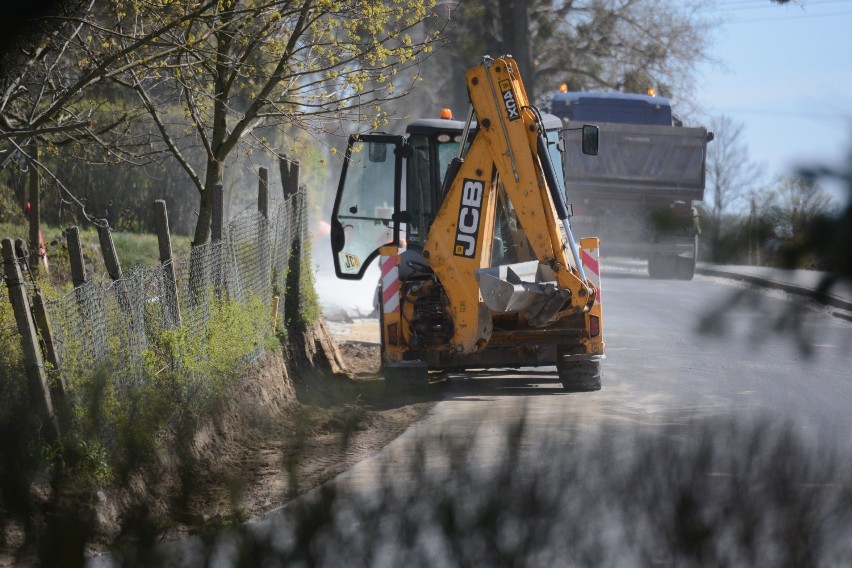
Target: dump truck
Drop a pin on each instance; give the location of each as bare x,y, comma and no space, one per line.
639,194
479,267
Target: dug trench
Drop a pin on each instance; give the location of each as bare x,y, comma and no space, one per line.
291,422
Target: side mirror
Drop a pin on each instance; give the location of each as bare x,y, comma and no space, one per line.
591,137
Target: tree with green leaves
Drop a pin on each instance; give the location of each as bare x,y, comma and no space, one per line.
216,75
212,76
620,45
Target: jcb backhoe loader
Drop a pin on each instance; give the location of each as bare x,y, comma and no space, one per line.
479,267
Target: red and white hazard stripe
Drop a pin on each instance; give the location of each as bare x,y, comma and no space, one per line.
389,266
590,257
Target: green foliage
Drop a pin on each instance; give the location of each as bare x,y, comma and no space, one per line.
301,302
311,309
185,376
788,226
133,249
142,249
11,356
10,209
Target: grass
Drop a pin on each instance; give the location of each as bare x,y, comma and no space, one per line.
133,249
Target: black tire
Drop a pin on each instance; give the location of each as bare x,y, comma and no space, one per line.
684,268
578,376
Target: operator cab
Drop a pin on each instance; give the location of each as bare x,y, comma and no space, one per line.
390,191
431,143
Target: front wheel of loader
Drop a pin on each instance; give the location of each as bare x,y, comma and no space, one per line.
578,375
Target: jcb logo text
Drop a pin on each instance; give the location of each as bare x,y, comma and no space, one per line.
469,215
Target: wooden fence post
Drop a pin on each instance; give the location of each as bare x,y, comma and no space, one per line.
42,322
79,278
289,176
22,253
263,193
113,266
34,362
171,308
75,256
58,388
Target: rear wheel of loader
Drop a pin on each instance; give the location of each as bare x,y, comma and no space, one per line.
578,375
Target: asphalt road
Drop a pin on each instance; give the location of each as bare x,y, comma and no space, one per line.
721,435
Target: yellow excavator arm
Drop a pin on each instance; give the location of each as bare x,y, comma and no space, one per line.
506,151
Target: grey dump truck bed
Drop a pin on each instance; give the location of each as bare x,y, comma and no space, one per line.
637,159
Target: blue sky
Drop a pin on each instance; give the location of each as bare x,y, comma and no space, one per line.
786,74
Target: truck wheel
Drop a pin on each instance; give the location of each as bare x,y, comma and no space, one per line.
578,376
684,268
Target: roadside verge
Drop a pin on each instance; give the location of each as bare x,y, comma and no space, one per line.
822,287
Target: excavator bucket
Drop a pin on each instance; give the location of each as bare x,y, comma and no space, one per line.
529,288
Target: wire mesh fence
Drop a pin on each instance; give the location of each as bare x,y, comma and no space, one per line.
146,323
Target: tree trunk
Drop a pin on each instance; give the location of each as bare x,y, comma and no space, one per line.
34,211
215,175
521,47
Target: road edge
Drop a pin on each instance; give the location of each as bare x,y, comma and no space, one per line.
764,281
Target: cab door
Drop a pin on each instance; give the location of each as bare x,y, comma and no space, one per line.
366,208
